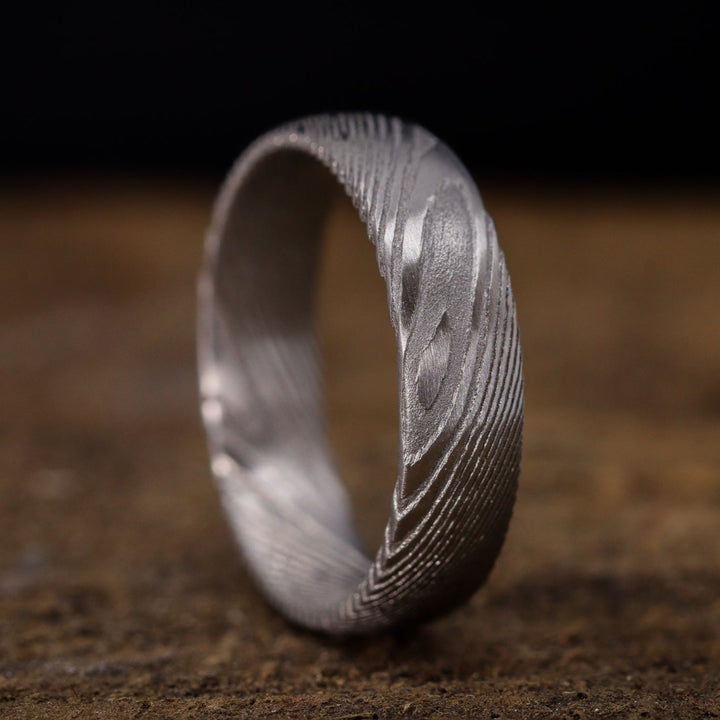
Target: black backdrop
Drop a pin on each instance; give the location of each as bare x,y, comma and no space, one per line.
588,89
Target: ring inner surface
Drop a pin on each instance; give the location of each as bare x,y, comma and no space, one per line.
270,448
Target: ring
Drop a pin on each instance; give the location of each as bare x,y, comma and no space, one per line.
459,370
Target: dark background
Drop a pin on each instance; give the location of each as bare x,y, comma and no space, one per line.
589,89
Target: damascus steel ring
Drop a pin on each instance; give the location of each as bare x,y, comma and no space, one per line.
459,374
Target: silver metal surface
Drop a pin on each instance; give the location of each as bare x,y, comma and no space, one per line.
459,362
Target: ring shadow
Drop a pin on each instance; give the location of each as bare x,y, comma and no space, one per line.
557,622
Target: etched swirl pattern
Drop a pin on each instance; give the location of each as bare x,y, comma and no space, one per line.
461,386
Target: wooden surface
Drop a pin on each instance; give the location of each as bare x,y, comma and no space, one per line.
121,593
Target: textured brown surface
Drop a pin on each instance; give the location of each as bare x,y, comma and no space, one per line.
121,593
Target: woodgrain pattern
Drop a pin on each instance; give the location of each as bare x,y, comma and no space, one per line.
459,364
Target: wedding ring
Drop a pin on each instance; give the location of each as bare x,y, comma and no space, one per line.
459,369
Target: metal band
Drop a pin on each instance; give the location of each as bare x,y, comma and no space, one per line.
459,361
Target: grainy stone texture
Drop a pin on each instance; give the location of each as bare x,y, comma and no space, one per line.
121,593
